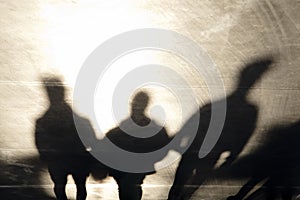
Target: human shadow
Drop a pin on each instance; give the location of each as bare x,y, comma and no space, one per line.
59,144
240,122
277,163
127,137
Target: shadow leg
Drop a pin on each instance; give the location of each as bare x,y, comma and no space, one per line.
183,174
80,181
60,180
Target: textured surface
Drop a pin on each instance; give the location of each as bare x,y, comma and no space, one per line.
54,37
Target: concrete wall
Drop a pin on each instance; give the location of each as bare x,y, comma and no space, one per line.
39,38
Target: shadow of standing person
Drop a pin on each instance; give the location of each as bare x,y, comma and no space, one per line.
59,144
122,136
240,122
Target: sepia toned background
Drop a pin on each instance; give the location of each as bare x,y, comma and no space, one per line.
54,37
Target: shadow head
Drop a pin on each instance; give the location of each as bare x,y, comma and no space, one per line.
55,89
253,72
139,103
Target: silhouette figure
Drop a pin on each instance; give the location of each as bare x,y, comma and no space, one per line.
59,144
130,183
240,122
278,162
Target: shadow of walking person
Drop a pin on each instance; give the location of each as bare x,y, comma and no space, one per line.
59,144
240,122
128,137
277,162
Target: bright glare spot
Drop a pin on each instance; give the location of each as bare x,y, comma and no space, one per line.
73,31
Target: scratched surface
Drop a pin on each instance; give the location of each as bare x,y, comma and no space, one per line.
55,37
